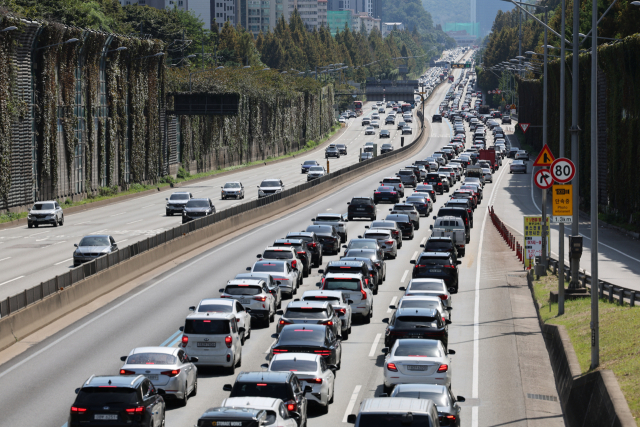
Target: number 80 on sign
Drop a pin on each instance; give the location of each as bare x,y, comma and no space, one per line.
563,170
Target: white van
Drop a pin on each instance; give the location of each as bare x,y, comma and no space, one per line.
453,227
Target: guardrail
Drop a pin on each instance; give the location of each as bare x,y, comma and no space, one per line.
59,283
605,289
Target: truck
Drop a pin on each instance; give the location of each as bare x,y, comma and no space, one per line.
490,155
452,227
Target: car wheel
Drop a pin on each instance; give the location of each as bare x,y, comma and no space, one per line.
267,321
367,318
29,225
35,225
243,339
62,220
387,389
195,388
272,316
375,290
183,401
350,218
345,335
55,223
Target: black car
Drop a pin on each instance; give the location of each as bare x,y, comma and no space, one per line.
435,180
313,243
421,204
436,118
390,120
373,279
385,134
361,207
342,148
465,203
332,152
106,400
460,213
405,224
416,323
277,385
314,339
197,208
386,194
328,236
441,244
401,125
386,148
437,265
302,252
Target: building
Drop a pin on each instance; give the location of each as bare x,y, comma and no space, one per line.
312,12
337,19
260,15
371,7
206,10
387,27
357,20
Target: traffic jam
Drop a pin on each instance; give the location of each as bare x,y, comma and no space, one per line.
309,327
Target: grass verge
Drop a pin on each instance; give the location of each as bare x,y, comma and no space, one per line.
619,336
105,193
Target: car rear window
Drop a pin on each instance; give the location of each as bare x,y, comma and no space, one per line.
425,286
242,290
362,244
261,389
403,208
179,197
276,254
268,267
405,173
215,308
418,304
349,270
294,365
341,284
301,335
306,313
207,327
151,359
436,246
99,396
393,180
413,321
433,261
425,349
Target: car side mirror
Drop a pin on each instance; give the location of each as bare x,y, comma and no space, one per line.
422,246
451,352
280,312
181,328
430,228
385,320
460,399
193,359
448,322
351,418
123,358
348,203
449,308
257,186
313,219
227,387
413,261
458,262
318,284
307,389
385,350
75,244
259,256
275,336
321,271
166,198
295,415
265,366
161,392
359,237
219,290
392,307
248,268
402,288
77,390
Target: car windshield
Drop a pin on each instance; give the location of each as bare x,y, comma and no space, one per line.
151,359
179,196
268,267
276,254
425,349
94,241
360,201
332,284
377,236
270,183
261,389
294,365
43,206
193,203
215,308
242,290
100,396
306,313
310,162
207,326
394,420
440,399
232,185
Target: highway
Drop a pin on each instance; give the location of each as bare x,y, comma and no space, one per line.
30,256
37,385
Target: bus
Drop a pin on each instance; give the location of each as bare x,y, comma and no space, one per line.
406,107
358,107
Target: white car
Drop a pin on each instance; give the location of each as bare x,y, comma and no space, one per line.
342,120
48,212
276,410
316,172
269,187
407,209
487,174
375,124
424,301
282,272
354,289
311,370
369,130
385,240
340,305
168,368
254,296
226,305
417,361
431,287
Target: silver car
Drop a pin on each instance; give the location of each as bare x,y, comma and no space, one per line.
232,189
168,368
48,212
176,202
316,172
340,305
386,241
518,166
487,174
92,247
269,187
407,209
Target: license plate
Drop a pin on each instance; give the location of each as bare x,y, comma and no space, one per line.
359,209
414,335
206,344
417,367
448,230
347,295
245,301
152,377
105,417
226,423
435,270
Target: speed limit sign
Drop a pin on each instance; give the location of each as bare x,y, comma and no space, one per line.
563,170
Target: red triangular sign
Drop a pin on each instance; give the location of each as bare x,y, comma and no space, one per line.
524,127
545,158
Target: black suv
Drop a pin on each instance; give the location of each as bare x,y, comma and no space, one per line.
328,236
361,207
460,213
441,244
197,208
111,400
435,180
302,251
313,243
436,118
404,223
437,265
277,385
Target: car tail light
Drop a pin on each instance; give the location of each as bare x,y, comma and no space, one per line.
389,242
439,183
301,253
364,294
294,264
282,322
279,350
137,410
225,296
263,299
366,281
420,265
448,266
444,297
377,192
392,367
313,245
76,409
185,340
400,185
341,310
126,372
443,368
291,405
323,352
171,373
328,323
312,380
228,340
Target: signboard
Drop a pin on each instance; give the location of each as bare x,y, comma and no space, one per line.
513,106
543,179
563,170
562,204
524,126
545,158
533,239
513,111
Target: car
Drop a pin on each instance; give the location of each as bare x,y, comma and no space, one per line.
176,202
392,226
339,221
417,361
407,177
282,272
361,207
303,253
353,288
401,125
521,155
309,338
352,114
390,120
394,181
441,244
386,241
316,172
395,412
375,255
381,110
386,148
272,284
269,187
313,243
428,287
436,118
270,411
286,253
369,130
307,164
407,209
365,155
407,118
330,152
406,129
518,166
197,208
279,385
329,237
166,367
487,174
337,299
93,246
384,133
416,323
48,212
446,403
366,121
310,312
342,120
375,124
358,265
426,188
424,301
227,304
512,152
104,398
404,223
386,194
214,338
422,203
255,298
233,189
342,148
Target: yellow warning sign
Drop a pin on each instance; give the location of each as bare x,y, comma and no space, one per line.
545,158
562,200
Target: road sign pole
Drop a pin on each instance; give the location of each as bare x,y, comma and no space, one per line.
575,147
544,231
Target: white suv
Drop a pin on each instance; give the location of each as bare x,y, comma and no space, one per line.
354,289
223,305
254,296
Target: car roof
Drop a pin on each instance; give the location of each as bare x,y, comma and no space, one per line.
254,402
180,192
308,304
386,405
292,241
279,248
267,376
432,312
207,315
113,380
222,301
253,282
163,350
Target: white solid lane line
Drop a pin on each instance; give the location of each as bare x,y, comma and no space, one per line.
31,235
415,255
12,280
5,258
269,349
404,276
352,403
62,262
375,345
423,241
393,301
133,222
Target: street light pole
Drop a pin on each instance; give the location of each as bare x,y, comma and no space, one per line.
545,243
561,154
595,283
575,157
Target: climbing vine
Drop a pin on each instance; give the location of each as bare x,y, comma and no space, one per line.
7,110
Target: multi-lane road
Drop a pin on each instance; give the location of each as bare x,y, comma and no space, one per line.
37,385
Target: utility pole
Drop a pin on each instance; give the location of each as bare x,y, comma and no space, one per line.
545,243
575,157
561,154
595,283
203,48
520,40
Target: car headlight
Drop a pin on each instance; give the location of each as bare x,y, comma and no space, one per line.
29,216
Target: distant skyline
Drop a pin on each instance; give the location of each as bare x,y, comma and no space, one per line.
461,11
